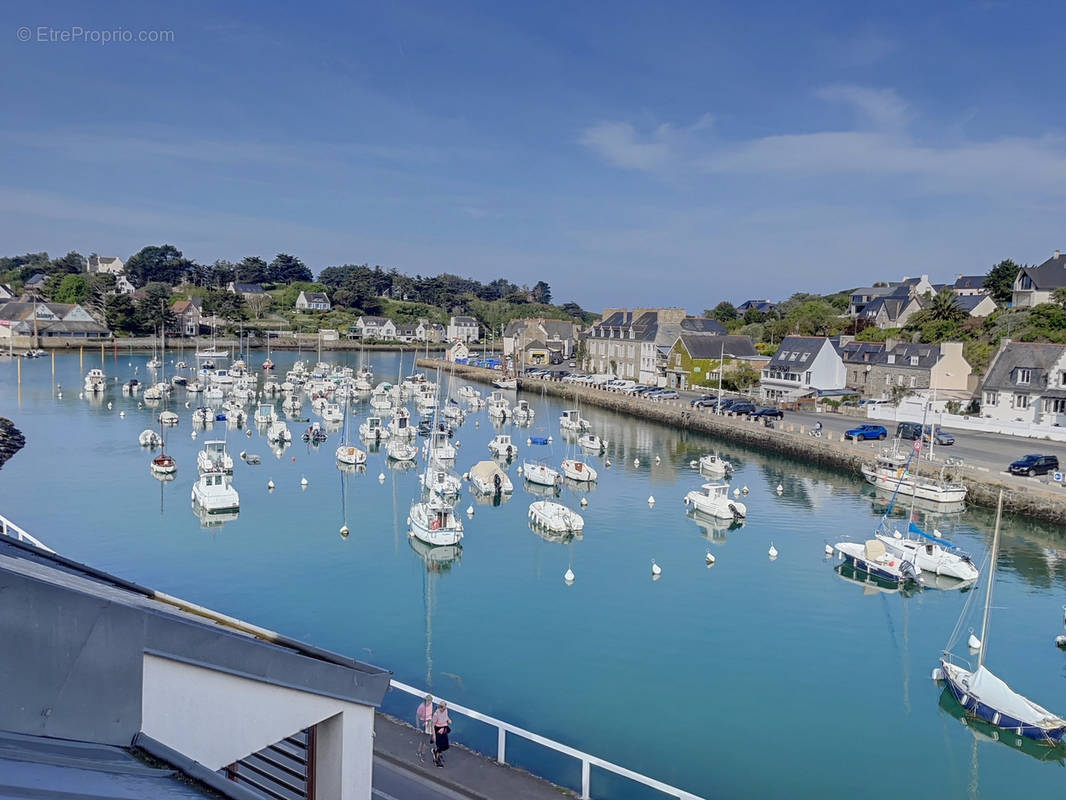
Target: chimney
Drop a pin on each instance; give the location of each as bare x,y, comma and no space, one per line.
1056,254
890,343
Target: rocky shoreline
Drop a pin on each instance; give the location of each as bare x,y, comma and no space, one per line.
788,439
11,440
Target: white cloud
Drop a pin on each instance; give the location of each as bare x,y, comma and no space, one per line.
619,144
883,107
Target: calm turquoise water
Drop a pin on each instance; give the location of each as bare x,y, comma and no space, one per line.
754,678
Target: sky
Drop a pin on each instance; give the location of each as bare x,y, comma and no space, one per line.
628,153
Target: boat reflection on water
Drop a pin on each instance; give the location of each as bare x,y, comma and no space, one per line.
579,488
279,448
563,537
162,477
352,469
882,498
712,528
872,584
494,499
396,466
983,732
214,519
540,490
437,559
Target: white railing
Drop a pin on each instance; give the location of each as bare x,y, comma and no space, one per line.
9,528
587,761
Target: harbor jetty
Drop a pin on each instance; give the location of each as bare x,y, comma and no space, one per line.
11,440
789,439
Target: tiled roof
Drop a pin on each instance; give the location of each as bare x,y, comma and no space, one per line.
797,350
969,282
702,345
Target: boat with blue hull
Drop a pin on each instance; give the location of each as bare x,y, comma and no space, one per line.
987,697
872,558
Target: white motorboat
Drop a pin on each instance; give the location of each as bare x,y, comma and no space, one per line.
501,446
265,414
468,392
380,399
349,454
203,415
714,465
555,517
278,433
153,392
505,383
571,420
433,521
149,438
95,380
890,472
498,405
211,394
332,413
872,558
522,413
214,458
220,377
540,474
426,399
271,387
487,478
401,450
452,411
291,404
713,499
579,471
168,418
438,447
931,553
214,494
400,424
372,430
194,387
438,478
591,441
164,464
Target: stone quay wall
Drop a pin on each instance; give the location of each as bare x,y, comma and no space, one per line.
1031,499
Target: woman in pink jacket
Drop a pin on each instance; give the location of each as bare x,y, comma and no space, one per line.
424,723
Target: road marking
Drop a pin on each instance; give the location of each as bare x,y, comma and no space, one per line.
384,795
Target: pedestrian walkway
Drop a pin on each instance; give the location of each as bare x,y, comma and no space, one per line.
464,772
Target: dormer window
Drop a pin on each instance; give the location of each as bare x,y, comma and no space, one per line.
891,358
1025,282
1024,375
805,356
914,361
793,356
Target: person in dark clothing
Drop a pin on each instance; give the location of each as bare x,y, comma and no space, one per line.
442,726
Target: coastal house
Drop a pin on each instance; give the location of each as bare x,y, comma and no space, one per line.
698,359
976,305
457,352
375,329
803,366
313,301
918,366
635,344
1026,382
53,321
35,283
108,673
1034,285
891,310
860,299
7,293
859,358
433,332
969,285
557,335
463,329
111,265
246,290
406,333
188,315
762,306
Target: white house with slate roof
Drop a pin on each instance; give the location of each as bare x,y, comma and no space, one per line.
1034,285
802,366
313,301
379,328
463,329
1026,382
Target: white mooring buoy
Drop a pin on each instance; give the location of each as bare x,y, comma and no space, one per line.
381,477
973,642
710,559
829,549
656,570
568,576
470,511
344,531
780,488
744,490
270,486
772,551
636,462
736,493
584,502
651,499
303,481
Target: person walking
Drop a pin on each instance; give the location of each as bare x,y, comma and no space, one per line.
442,726
424,723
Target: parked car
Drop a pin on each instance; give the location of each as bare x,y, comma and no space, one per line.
639,388
1034,464
620,385
704,401
909,430
766,413
727,403
939,436
864,432
742,408
664,394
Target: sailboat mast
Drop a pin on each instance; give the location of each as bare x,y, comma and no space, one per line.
991,580
721,369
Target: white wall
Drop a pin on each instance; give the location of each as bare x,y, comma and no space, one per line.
913,413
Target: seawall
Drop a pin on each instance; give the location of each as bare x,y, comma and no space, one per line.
11,440
787,438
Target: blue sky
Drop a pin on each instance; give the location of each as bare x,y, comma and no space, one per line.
627,153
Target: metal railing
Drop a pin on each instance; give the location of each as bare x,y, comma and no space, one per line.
587,761
9,528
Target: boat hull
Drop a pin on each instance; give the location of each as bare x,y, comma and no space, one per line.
953,677
909,488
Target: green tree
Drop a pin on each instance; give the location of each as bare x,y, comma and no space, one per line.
72,263
286,269
742,377
753,316
225,304
1000,280
162,264
72,289
101,285
944,307
725,312
812,318
120,314
253,269
1059,296
542,293
154,309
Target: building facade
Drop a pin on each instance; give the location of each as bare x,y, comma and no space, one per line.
1026,382
902,365
1035,285
802,366
313,301
463,329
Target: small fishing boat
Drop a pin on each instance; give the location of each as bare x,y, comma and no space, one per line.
214,458
203,415
154,392
931,553
291,404
591,441
265,414
891,472
438,478
95,380
314,433
214,494
555,517
278,433
571,420
579,471
373,430
194,387
522,413
505,383
714,465
502,446
164,464
131,387
872,558
487,478
433,521
400,424
540,474
332,413
149,438
271,387
713,499
438,447
168,418
400,450
349,454
498,405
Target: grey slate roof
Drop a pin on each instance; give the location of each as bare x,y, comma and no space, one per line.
36,280
1039,357
893,305
808,346
859,352
969,282
927,354
316,297
968,302
1049,275
248,288
702,345
759,305
702,325
379,321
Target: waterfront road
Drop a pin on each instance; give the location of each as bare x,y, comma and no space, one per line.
400,775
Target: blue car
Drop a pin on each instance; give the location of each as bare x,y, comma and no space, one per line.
864,432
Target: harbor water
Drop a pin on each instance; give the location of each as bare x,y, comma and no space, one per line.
755,677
